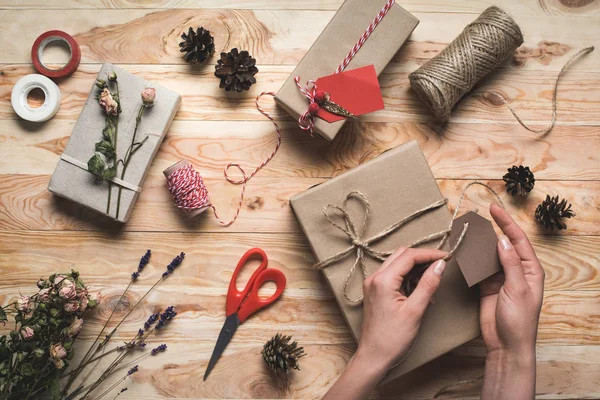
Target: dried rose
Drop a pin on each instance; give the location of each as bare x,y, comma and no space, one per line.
94,299
59,364
27,333
24,304
71,307
148,96
84,302
57,351
44,295
68,291
107,102
75,327
58,279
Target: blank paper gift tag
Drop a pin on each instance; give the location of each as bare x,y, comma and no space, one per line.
356,90
477,255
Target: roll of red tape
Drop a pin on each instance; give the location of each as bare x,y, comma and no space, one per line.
50,37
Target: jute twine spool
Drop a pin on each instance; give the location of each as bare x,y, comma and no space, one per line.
480,48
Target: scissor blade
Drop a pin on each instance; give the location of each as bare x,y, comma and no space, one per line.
229,327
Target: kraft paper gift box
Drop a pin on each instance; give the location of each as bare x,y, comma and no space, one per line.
334,43
71,179
397,183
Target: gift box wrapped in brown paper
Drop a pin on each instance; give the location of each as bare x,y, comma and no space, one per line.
71,178
396,184
334,43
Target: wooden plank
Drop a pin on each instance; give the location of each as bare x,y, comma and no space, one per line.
568,317
515,7
529,92
569,371
570,263
26,204
279,37
213,144
199,286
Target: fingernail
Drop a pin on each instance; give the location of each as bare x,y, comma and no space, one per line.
438,267
505,242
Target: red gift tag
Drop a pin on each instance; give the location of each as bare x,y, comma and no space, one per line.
356,90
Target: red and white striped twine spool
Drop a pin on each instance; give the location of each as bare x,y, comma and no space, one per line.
189,191
306,121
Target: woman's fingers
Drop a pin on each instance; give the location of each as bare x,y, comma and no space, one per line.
511,263
403,263
514,232
391,258
428,285
518,239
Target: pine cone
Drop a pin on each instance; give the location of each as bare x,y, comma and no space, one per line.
198,46
236,70
519,180
551,213
281,355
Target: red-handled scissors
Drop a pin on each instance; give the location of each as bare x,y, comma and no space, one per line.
241,304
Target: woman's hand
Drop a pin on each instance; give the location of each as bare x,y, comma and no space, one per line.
391,320
510,309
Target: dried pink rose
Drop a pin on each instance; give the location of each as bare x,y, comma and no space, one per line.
24,304
57,351
27,333
84,302
71,307
107,102
68,291
58,279
44,295
59,364
75,327
148,96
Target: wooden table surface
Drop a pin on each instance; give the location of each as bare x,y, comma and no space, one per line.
41,234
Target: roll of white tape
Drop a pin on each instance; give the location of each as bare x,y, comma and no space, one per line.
21,90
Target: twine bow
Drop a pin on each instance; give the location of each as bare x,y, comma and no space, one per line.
306,121
363,247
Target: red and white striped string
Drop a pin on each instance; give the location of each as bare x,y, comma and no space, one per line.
186,184
189,191
306,121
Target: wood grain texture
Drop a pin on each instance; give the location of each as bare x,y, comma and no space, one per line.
529,92
41,234
571,264
583,8
451,153
26,204
273,37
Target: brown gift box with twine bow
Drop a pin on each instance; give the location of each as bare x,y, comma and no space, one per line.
334,43
396,184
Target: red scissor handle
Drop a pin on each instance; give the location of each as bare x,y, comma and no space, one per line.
236,297
253,302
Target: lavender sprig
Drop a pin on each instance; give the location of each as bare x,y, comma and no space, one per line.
132,370
143,262
151,320
174,264
165,317
158,349
95,347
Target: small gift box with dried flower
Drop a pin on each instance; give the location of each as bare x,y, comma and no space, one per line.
363,36
113,143
355,220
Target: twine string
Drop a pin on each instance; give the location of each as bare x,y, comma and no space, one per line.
547,129
189,191
306,120
481,47
364,247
